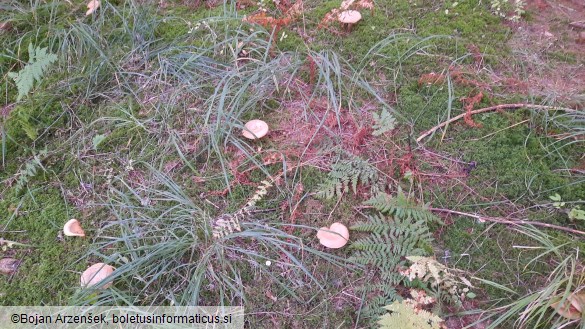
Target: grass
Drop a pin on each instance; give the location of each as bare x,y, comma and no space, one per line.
164,92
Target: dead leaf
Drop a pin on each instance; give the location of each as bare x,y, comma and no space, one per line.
468,104
267,21
431,79
8,265
92,6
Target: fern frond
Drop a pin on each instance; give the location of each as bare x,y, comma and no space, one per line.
447,285
38,62
389,241
383,122
22,118
404,316
376,224
30,170
348,173
401,206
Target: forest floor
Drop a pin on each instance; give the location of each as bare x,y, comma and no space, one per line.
135,130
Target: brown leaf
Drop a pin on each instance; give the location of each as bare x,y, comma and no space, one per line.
267,21
431,79
469,103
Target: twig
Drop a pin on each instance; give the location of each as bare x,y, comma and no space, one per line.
493,108
509,221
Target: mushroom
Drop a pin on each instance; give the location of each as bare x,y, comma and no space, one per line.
92,6
572,307
95,274
73,228
254,129
8,265
335,236
348,18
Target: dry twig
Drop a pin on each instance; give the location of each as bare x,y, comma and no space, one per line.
502,220
493,108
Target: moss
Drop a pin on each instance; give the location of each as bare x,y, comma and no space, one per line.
47,273
491,254
180,21
518,163
563,57
292,41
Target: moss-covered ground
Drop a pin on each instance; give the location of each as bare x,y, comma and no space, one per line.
139,122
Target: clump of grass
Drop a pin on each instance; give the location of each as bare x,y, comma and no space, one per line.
535,309
162,245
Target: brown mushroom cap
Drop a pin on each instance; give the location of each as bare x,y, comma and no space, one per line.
8,265
350,16
335,236
572,308
73,228
96,273
255,129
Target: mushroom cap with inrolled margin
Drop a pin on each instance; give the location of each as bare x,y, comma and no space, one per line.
8,265
73,228
255,129
350,16
95,274
335,236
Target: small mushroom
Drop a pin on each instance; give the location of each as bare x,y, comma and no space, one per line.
5,26
92,6
572,307
254,129
95,274
8,265
349,18
335,236
73,228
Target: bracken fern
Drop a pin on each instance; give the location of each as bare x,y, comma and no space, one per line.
346,173
383,122
38,62
404,316
389,241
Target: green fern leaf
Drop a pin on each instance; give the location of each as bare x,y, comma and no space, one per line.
401,206
402,315
23,119
389,241
348,173
383,122
38,62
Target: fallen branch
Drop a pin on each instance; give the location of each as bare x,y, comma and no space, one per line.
493,108
509,221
